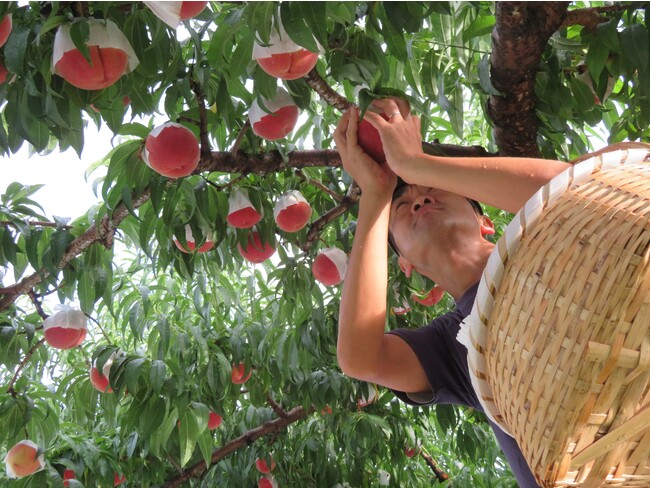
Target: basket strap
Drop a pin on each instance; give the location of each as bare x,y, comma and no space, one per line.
631,427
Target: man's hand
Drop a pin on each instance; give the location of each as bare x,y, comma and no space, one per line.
400,134
374,179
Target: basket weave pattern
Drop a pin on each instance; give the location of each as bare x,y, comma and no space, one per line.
560,331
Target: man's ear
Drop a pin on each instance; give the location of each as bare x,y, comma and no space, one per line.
405,265
487,227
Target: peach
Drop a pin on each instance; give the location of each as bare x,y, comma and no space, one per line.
241,213
267,482
24,459
214,420
68,474
101,380
5,29
292,211
372,397
171,150
255,251
191,243
280,119
4,72
329,266
326,411
238,375
118,479
66,328
111,56
263,466
403,310
171,13
370,141
410,451
282,58
432,297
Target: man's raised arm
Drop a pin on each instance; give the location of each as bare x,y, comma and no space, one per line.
502,182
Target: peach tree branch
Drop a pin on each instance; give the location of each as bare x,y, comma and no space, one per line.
247,438
22,364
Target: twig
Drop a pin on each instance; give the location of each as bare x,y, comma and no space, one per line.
437,471
336,196
203,124
247,438
591,17
174,463
350,199
37,304
276,408
7,223
108,339
320,86
240,137
22,364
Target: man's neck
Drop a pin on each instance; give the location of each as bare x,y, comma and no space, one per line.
462,268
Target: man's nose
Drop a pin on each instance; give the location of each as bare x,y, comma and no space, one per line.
420,201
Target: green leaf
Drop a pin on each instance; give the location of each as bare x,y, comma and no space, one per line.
16,49
635,46
294,24
157,374
86,292
484,76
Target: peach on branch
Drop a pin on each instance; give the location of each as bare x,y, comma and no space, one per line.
100,379
68,474
171,13
66,328
403,310
410,451
267,482
265,466
292,211
369,139
372,397
433,296
23,459
3,73
276,119
282,58
172,150
5,29
254,250
191,243
214,420
241,213
238,375
111,56
118,479
329,266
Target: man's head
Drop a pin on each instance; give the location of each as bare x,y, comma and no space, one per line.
428,227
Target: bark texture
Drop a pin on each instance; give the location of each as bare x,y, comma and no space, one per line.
518,40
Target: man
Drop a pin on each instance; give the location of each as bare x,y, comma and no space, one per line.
437,232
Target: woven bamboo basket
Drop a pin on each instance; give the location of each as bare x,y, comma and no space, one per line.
559,336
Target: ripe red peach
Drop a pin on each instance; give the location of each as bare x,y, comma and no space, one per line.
263,466
111,56
329,266
241,212
171,13
255,251
282,58
280,119
214,420
191,243
292,211
172,150
5,29
238,375
24,459
100,379
431,298
66,328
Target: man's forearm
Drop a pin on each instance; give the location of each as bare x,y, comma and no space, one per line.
501,182
362,313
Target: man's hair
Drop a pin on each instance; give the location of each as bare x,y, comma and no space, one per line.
399,189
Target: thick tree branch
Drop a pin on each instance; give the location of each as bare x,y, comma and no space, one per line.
7,223
249,437
37,305
320,86
521,32
203,118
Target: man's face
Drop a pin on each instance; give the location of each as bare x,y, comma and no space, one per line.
426,223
